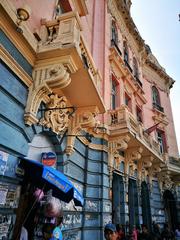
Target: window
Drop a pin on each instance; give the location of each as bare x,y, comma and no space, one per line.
114,94
126,54
161,138
114,32
135,69
156,99
128,101
139,114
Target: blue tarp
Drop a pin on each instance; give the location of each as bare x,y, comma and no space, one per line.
50,178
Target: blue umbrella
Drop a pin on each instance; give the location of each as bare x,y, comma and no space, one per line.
50,178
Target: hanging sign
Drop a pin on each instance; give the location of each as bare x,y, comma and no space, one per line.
49,159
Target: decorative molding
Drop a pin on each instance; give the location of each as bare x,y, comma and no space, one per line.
84,119
165,181
116,145
12,64
47,79
134,153
81,7
57,118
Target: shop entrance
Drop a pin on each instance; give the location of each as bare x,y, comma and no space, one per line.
146,209
170,209
118,200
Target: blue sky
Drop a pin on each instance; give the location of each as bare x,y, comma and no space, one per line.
159,25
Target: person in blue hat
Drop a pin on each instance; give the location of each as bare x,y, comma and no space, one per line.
110,232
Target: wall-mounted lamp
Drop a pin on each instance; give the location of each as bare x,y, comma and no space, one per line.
23,14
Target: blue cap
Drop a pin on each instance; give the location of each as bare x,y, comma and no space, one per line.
111,227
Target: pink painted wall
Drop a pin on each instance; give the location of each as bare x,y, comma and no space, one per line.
97,34
148,113
170,130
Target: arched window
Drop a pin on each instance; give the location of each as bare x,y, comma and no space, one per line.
126,54
114,34
135,69
156,99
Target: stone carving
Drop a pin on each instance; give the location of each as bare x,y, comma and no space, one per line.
131,155
116,145
47,79
166,182
56,117
84,119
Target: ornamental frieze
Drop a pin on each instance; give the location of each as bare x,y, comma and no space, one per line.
84,119
57,115
47,79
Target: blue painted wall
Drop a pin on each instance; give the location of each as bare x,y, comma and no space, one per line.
88,169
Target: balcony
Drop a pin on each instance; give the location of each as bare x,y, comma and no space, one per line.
121,122
174,161
61,42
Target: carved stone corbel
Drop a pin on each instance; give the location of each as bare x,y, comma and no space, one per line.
84,119
166,182
116,145
46,80
147,161
132,154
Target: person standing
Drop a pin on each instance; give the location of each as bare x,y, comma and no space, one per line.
177,233
24,234
134,235
156,232
110,232
167,234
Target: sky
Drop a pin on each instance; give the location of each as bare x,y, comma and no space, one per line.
159,25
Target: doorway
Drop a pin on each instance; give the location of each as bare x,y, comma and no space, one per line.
170,209
146,209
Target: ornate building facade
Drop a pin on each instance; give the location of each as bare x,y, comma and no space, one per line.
78,80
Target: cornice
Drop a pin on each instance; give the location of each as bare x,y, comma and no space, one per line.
12,64
116,6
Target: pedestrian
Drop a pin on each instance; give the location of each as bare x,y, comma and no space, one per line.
134,235
24,234
120,231
110,232
156,232
145,235
166,233
177,233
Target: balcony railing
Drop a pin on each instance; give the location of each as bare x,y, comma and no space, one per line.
158,107
122,118
138,81
174,161
127,65
64,34
113,43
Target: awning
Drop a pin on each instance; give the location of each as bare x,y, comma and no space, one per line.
50,178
